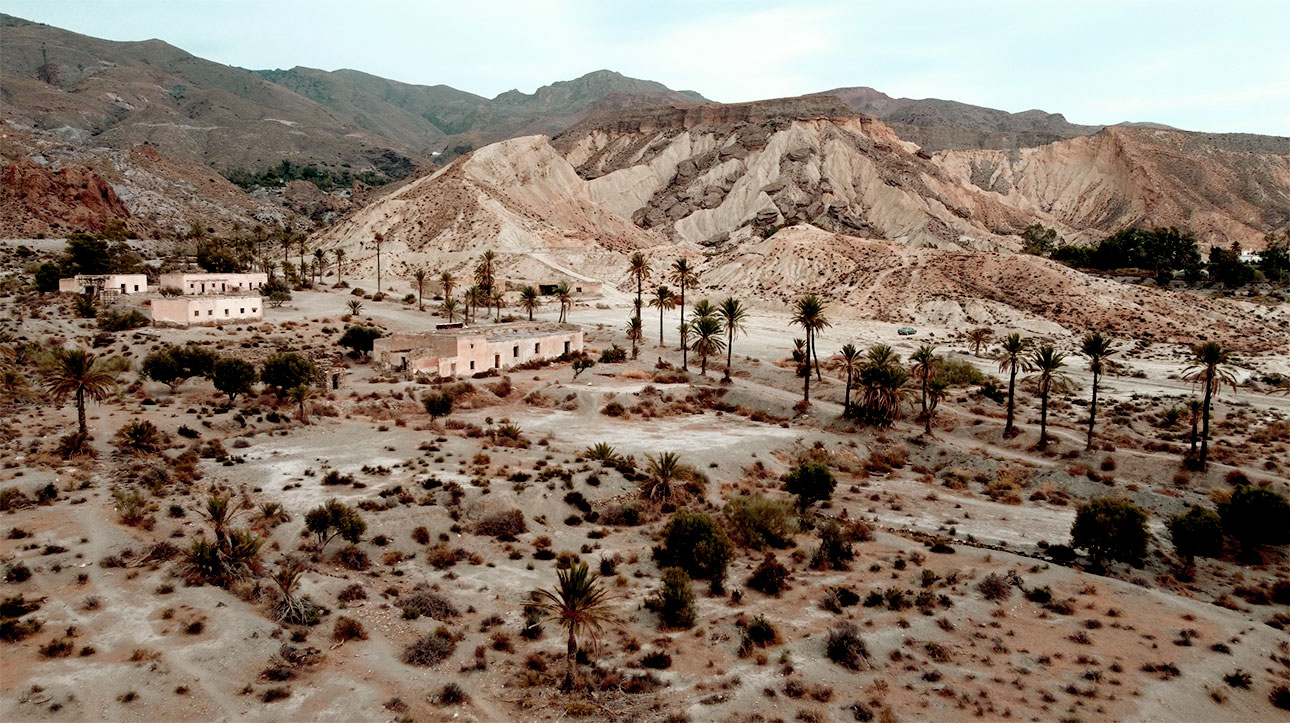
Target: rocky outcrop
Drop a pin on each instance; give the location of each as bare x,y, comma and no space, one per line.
35,200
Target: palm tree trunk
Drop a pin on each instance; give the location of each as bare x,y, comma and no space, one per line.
846,405
816,356
660,327
1012,387
1092,412
378,269
730,349
684,352
80,412
1204,416
1043,415
571,660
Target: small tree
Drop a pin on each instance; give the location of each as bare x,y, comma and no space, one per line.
359,339
696,543
582,364
1256,516
161,366
1196,533
286,370
234,376
333,518
811,482
437,404
580,604
1111,529
674,601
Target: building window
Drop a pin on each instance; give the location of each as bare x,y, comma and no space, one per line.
211,312
242,310
226,312
196,313
537,348
123,288
472,366
253,308
497,361
136,287
515,352
566,347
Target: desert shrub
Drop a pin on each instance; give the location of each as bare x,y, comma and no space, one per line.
450,694
657,660
614,409
131,505
421,536
995,587
759,522
695,543
502,525
348,628
56,648
837,598
760,632
359,339
13,630
613,355
770,577
353,557
835,550
427,603
811,482
437,404
334,518
431,649
674,601
1280,697
1256,516
1196,533
1111,529
1238,679
845,647
958,372
113,320
352,593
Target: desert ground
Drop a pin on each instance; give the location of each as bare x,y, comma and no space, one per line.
963,607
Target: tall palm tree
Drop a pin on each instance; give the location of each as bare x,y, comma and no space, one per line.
529,300
300,241
78,374
484,269
448,308
419,276
937,390
978,338
471,296
285,241
498,300
683,274
340,264
810,316
923,367
638,267
849,360
320,264
635,334
1193,410
664,300
1012,358
1048,364
565,296
703,308
733,317
881,355
377,240
707,340
802,363
1098,349
448,282
883,387
580,605
1210,366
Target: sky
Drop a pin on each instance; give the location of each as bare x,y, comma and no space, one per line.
1206,66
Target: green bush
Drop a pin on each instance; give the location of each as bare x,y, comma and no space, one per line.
759,522
334,518
1256,516
835,550
1111,529
359,339
286,370
674,602
770,577
113,320
1196,533
811,482
695,543
234,377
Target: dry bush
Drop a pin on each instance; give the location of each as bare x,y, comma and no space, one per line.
428,603
995,587
431,649
502,525
845,647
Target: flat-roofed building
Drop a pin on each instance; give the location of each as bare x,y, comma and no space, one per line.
195,310
101,284
209,283
470,350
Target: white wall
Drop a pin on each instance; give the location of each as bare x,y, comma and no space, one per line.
188,310
214,283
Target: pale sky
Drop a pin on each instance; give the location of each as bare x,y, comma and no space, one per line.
1206,66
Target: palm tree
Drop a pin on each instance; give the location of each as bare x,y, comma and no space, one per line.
420,276
1048,363
882,389
320,264
733,317
978,338
638,267
301,394
662,473
810,316
1098,349
707,340
300,242
1012,358
377,240
448,282
703,308
448,308
849,360
937,390
924,363
285,241
664,300
471,296
580,605
499,301
802,363
484,269
565,297
529,300
881,355
1211,366
340,264
78,374
1193,408
355,307
682,273
635,334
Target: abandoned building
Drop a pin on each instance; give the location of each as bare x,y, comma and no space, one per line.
193,310
104,284
450,352
205,283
